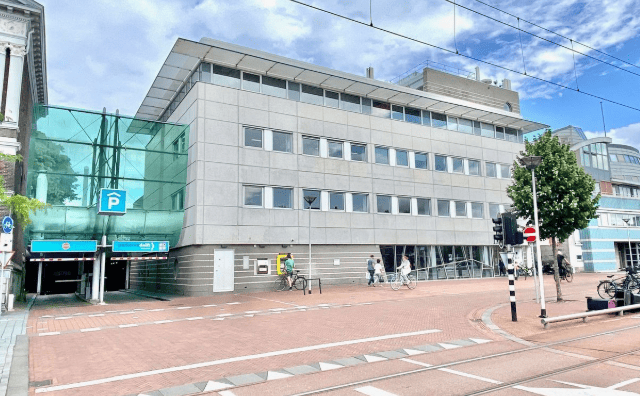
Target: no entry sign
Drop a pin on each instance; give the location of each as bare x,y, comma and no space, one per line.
530,234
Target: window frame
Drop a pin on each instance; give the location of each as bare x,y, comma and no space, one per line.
378,203
435,163
466,211
244,196
380,150
406,153
364,155
426,161
366,201
261,137
448,207
329,142
310,138
288,134
469,161
428,206
344,201
289,189
317,202
405,199
475,205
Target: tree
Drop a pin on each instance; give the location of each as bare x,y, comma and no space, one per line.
565,193
49,157
20,206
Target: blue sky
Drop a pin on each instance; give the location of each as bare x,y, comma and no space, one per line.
106,54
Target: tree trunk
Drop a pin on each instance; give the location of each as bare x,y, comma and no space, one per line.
556,270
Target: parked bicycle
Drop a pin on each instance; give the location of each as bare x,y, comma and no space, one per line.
298,281
526,271
397,280
608,288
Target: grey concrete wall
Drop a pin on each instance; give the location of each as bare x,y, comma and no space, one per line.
474,91
219,165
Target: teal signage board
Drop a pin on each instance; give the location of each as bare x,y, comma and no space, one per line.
140,246
56,246
112,202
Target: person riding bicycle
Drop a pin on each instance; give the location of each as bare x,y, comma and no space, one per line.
564,265
405,269
288,266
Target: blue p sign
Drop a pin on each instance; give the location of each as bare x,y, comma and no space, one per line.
112,202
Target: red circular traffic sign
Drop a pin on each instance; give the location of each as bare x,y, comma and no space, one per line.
530,234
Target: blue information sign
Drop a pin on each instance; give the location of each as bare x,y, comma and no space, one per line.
7,225
112,202
140,246
55,246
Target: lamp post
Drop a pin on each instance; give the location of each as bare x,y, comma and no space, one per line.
309,199
531,163
627,220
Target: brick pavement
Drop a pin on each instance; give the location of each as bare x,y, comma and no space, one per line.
454,307
12,324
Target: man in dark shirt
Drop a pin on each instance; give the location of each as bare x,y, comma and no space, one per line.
561,267
371,269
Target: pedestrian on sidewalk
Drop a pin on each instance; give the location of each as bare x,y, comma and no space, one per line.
288,266
371,269
378,271
503,270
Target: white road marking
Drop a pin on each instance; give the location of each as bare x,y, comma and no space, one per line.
624,383
479,340
183,308
329,366
128,325
274,375
63,317
412,352
448,346
156,310
232,360
373,391
126,312
233,303
224,315
460,373
210,305
195,318
50,333
416,362
371,359
93,316
214,386
91,329
162,321
226,393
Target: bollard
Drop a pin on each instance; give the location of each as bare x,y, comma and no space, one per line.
508,257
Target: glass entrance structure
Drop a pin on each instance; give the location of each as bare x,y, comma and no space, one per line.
75,153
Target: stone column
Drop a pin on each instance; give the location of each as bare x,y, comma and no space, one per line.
14,84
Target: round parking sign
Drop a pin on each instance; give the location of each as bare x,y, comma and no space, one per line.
7,224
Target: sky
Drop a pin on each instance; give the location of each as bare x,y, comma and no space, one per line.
107,54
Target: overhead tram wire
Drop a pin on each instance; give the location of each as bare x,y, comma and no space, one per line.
560,35
461,54
542,38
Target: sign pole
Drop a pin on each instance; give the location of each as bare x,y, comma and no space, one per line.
543,308
508,257
103,258
535,276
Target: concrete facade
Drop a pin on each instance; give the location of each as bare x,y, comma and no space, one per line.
222,166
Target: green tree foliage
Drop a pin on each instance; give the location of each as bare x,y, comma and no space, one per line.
20,206
49,157
565,200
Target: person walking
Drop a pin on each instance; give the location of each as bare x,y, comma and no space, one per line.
378,271
371,269
288,266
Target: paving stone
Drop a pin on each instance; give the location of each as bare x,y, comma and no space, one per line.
244,379
428,348
304,369
201,385
180,390
462,342
349,361
392,354
263,375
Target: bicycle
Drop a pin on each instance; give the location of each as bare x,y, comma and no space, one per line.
298,281
608,288
526,271
399,280
566,274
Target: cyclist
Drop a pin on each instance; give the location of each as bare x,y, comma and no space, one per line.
564,265
405,269
288,266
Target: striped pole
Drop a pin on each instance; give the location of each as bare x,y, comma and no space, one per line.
508,257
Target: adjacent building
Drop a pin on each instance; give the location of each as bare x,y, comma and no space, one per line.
388,169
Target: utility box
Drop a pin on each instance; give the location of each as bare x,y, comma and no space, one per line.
262,266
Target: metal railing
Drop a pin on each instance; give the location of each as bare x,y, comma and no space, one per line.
456,71
460,269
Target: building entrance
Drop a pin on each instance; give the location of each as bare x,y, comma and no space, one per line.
629,254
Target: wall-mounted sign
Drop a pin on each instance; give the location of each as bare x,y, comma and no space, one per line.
140,246
57,246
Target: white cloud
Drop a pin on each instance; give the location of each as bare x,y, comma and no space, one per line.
629,135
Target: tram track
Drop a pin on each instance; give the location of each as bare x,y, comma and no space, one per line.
492,356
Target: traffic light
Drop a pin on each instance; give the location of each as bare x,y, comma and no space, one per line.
498,237
511,234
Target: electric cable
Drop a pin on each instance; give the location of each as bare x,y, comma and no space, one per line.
524,65
461,54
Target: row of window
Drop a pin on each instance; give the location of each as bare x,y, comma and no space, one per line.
221,75
595,156
624,158
282,198
617,219
313,146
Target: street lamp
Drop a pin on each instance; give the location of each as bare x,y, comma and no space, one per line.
626,220
531,163
309,199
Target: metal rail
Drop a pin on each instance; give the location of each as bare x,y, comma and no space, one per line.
585,315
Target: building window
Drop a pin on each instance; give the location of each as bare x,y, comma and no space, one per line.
507,106
366,106
465,126
274,87
402,158
458,165
282,198
422,161
358,152
412,115
310,146
294,91
226,76
177,200
282,142
397,112
424,207
461,209
404,205
312,95
443,208
476,128
494,210
311,193
252,196
487,130
438,120
511,134
360,202
382,155
253,137
331,99
499,132
250,82
350,103
205,72
477,210
381,109
179,146
384,203
426,118
474,168
491,170
335,149
452,123
336,201
504,172
441,163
